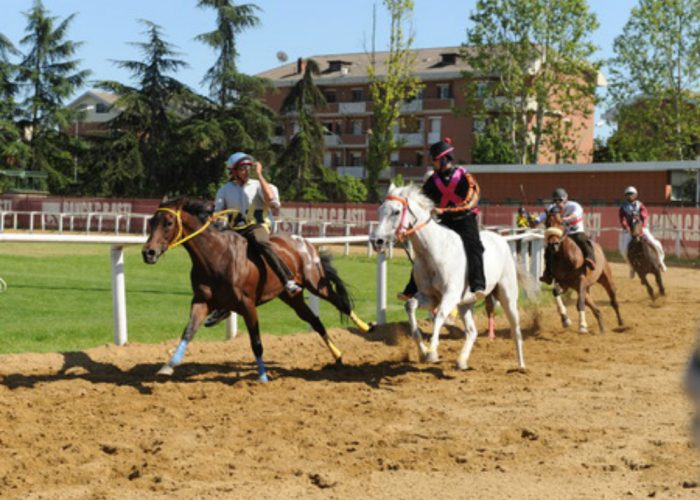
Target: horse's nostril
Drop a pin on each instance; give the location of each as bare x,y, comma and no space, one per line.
379,242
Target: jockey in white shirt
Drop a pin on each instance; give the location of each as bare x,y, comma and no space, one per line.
633,208
572,217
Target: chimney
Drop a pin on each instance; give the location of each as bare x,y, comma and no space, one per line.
301,66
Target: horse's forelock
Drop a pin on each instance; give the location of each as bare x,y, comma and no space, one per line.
202,209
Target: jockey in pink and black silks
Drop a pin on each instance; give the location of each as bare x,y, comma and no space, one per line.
455,193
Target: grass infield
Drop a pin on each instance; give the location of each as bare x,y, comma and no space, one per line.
59,297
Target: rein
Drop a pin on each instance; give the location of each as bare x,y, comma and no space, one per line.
179,240
401,231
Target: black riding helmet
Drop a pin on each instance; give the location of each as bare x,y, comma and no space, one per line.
560,193
442,149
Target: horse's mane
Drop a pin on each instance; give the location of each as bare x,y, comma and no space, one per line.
414,193
202,209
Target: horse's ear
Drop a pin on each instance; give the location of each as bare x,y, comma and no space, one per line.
165,199
391,188
209,207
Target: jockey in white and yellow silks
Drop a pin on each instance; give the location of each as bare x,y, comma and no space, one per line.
630,209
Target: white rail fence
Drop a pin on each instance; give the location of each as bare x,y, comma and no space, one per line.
530,254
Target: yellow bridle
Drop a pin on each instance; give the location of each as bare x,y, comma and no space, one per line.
179,240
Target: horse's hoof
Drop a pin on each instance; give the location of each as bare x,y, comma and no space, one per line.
566,323
263,378
372,326
339,362
582,329
462,365
166,370
520,370
432,357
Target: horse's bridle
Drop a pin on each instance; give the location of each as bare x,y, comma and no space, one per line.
405,231
179,240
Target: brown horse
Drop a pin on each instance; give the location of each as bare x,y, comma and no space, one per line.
569,271
643,258
226,274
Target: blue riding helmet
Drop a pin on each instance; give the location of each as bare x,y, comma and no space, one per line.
239,158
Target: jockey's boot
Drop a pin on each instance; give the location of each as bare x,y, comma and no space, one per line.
292,288
479,293
404,297
589,263
215,317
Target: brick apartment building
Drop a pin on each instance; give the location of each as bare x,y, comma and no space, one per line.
425,120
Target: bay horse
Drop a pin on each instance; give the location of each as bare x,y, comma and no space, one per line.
440,270
643,258
569,271
226,274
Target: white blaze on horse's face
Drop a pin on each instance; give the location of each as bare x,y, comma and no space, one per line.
389,219
161,227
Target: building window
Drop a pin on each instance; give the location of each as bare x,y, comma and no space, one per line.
358,95
357,159
357,127
482,89
479,126
411,125
419,159
444,91
330,95
101,108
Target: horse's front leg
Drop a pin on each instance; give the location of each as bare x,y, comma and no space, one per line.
659,282
561,308
443,310
198,311
581,305
411,307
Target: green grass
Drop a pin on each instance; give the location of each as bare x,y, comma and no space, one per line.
59,297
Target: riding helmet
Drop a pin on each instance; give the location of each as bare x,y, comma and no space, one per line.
239,159
630,190
442,149
560,193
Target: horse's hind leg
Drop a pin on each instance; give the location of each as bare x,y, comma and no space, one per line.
607,282
650,290
596,311
490,304
509,302
305,313
470,334
659,281
411,307
198,311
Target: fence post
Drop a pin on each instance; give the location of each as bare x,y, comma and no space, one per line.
231,326
369,242
678,243
536,257
381,288
2,222
118,295
348,227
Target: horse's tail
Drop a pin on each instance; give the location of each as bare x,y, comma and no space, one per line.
527,282
337,283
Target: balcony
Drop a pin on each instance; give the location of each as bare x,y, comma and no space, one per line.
415,139
430,104
350,108
413,106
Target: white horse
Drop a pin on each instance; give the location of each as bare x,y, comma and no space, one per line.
440,270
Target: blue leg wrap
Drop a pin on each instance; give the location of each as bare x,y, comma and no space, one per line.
179,353
262,373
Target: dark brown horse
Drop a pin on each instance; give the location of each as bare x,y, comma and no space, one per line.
643,258
569,271
227,275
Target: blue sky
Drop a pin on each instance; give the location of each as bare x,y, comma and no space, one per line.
300,28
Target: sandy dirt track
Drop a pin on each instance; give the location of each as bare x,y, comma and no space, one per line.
594,416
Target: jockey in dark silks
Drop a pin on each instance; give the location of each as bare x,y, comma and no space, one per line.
455,194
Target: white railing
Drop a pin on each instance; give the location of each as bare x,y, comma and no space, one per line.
533,252
66,221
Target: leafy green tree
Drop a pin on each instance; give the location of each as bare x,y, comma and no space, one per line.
13,152
150,112
302,160
47,76
655,80
530,65
490,147
237,119
389,89
225,82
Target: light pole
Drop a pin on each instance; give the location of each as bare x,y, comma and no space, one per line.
81,110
